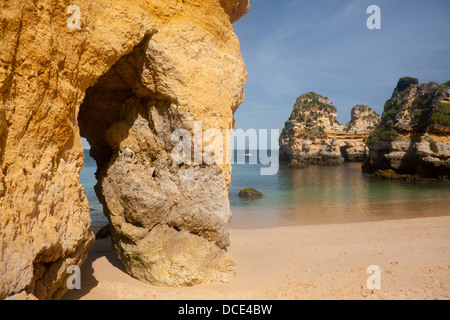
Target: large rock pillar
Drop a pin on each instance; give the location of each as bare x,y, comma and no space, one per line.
156,67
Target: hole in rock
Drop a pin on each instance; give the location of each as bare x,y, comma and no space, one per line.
105,105
126,126
88,180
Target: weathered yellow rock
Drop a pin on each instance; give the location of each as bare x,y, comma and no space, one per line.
46,66
413,137
314,136
235,9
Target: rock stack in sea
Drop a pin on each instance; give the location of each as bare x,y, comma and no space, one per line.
314,136
353,143
413,137
127,73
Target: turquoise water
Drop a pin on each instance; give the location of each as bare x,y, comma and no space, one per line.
313,195
87,179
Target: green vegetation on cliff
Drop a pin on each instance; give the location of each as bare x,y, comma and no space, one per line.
311,101
441,114
446,84
413,108
315,133
405,82
382,134
385,130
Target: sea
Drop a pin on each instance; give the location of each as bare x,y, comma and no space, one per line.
312,195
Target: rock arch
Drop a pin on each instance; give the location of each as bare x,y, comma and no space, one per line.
50,74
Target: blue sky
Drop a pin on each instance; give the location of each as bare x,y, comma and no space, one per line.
296,46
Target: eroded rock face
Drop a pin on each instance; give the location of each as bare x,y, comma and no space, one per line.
314,136
235,9
151,68
306,137
413,136
363,120
353,145
158,210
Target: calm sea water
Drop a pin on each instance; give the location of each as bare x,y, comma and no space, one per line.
313,195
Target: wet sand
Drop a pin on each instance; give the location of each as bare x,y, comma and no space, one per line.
303,262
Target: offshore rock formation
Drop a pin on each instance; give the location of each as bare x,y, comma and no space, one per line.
308,136
353,144
250,193
127,73
413,137
314,136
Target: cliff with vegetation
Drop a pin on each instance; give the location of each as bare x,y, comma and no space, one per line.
353,143
125,73
312,135
413,137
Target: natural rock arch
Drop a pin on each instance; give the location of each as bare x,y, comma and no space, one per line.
169,223
46,69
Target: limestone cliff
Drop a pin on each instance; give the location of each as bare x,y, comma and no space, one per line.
413,136
307,137
314,136
353,144
126,73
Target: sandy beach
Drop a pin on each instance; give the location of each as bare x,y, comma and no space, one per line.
303,262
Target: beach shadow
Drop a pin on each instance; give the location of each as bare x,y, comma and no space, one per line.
101,248
88,280
115,262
